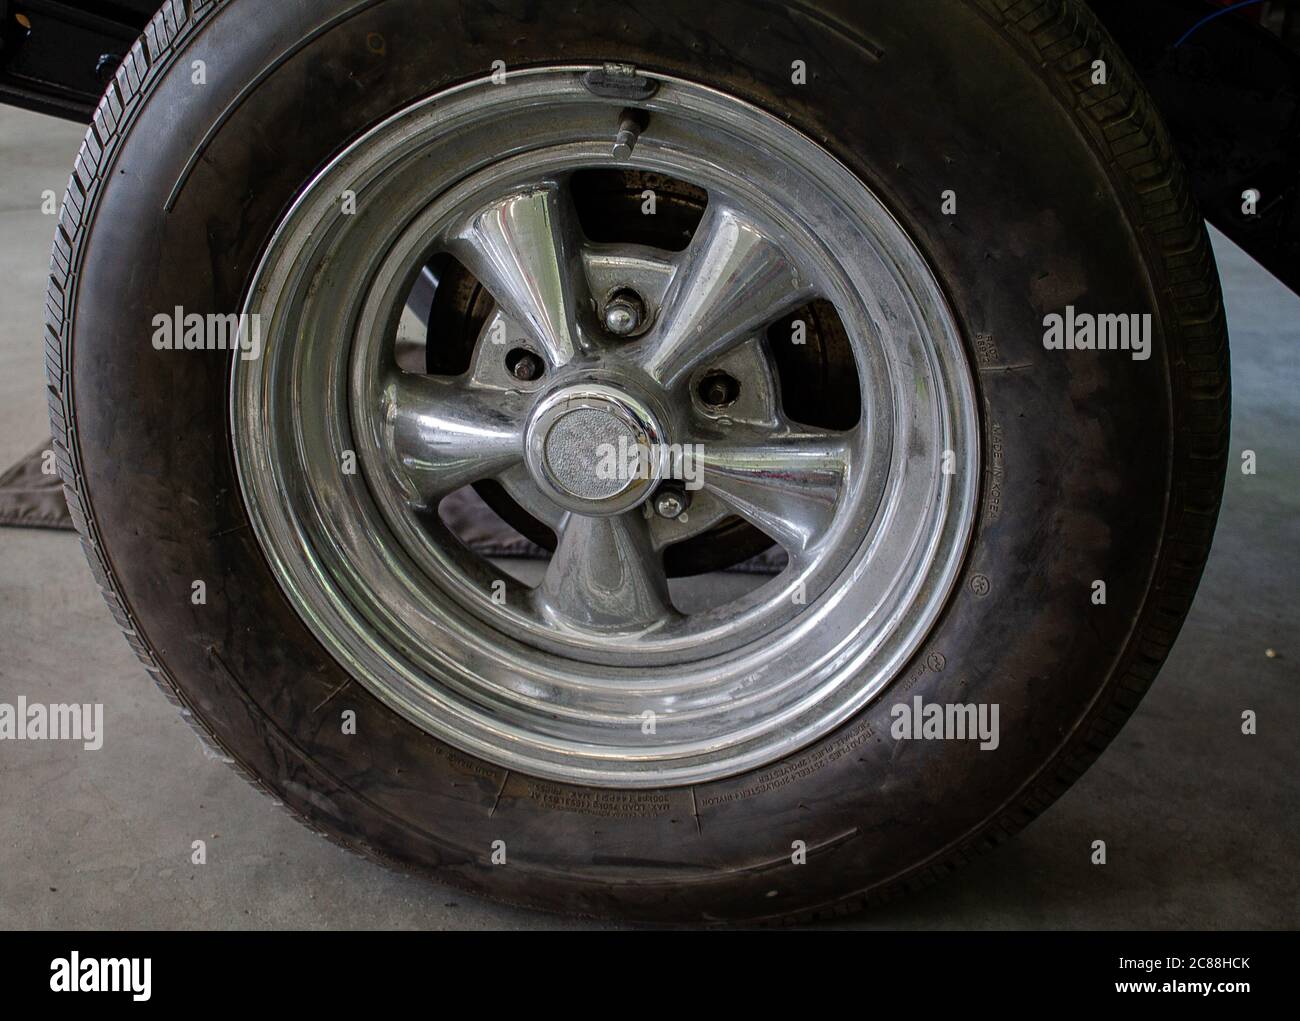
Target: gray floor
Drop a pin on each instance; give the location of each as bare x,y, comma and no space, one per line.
1202,824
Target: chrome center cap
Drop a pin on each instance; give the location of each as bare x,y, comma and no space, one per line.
593,448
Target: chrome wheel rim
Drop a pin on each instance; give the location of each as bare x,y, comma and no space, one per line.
594,676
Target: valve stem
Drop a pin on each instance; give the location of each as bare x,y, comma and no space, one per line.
630,125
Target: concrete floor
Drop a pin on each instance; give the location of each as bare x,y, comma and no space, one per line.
1202,824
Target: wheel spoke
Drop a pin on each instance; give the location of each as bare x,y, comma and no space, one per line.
787,484
605,574
732,280
525,250
443,435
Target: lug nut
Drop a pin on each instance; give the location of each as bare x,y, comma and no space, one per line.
624,313
671,503
524,365
718,390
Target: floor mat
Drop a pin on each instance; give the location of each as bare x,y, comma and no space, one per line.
30,498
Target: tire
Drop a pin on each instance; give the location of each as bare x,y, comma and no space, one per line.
1094,466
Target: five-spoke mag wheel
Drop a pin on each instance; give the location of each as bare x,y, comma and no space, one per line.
627,396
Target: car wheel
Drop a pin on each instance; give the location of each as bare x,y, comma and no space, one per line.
668,289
